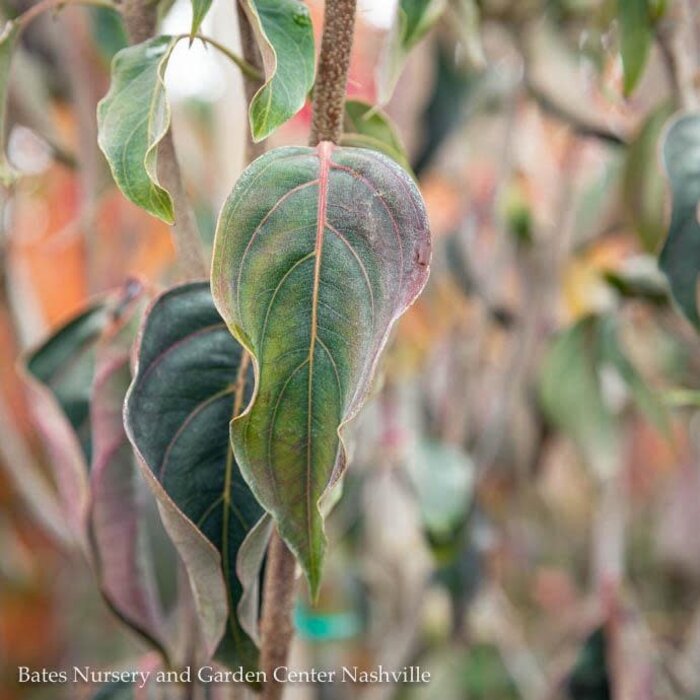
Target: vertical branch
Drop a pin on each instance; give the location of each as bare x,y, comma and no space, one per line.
332,73
140,18
276,624
329,101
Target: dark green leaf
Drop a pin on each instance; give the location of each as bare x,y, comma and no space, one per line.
414,19
636,33
192,377
366,126
643,182
133,117
589,679
65,365
317,253
286,41
680,256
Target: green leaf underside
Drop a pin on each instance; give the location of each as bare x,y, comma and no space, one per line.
680,256
65,364
413,21
317,252
177,415
635,40
8,42
285,37
133,117
364,126
199,12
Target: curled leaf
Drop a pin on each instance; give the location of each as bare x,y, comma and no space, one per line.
286,40
132,119
317,253
192,377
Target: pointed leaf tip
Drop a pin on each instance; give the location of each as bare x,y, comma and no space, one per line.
317,253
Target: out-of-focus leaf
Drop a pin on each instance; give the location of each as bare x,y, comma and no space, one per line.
589,679
571,394
8,42
572,391
414,18
117,518
132,118
199,12
65,365
643,183
466,16
640,278
192,377
443,478
108,31
477,674
648,402
444,111
636,34
680,256
365,126
286,41
118,690
317,253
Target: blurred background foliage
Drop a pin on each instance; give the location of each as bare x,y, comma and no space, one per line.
522,511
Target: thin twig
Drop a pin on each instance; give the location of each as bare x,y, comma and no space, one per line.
249,71
332,74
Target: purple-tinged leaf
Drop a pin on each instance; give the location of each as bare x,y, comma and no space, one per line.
318,251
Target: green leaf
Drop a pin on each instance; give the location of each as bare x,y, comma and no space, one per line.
572,392
191,378
414,19
589,678
636,33
199,12
8,42
680,256
317,253
286,40
132,119
366,126
65,365
643,183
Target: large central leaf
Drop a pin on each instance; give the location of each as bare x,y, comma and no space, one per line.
317,252
192,378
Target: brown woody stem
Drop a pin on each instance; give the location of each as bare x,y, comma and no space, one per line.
332,73
140,17
276,626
